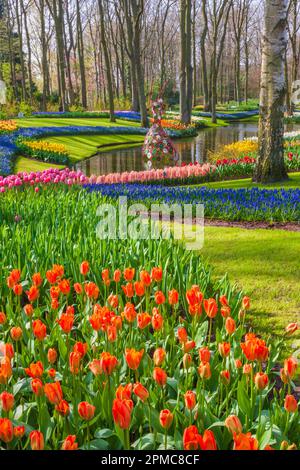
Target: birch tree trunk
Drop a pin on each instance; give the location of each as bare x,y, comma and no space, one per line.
270,164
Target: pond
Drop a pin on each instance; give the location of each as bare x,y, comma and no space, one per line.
190,150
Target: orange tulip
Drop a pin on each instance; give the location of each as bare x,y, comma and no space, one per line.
33,293
261,380
64,286
78,288
238,363
211,308
233,424
95,367
190,400
84,268
80,348
159,298
133,358
291,328
52,355
129,313
70,443
208,441
53,392
91,290
157,321
108,363
204,354
37,279
173,297
160,376
39,329
166,419
117,275
244,442
105,276
5,369
75,362
187,361
225,311
128,290
6,430
290,367
123,392
16,333
191,438
224,349
189,346
145,278
121,411
7,401
247,369
18,289
2,318
159,356
290,404
86,410
246,303
230,325
113,301
140,391
204,370
19,432
66,322
111,333
157,274
224,301
35,370
37,387
143,320
37,440
63,408
28,309
182,335
129,274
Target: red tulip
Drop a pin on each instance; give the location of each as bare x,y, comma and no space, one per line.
86,410
165,419
37,440
121,411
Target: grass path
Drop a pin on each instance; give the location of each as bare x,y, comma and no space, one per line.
265,264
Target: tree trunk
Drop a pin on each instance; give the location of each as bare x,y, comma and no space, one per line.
186,69
81,56
107,63
270,164
203,58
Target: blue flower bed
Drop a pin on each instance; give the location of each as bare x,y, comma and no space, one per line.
122,115
229,204
228,117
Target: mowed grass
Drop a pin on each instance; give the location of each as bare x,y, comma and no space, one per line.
59,122
292,182
84,146
265,264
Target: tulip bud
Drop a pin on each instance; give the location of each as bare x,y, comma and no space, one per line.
166,419
290,404
230,325
37,440
7,401
187,361
261,381
52,355
233,424
16,333
225,376
190,400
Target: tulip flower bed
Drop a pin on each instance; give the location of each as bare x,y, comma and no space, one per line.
227,204
6,127
102,348
43,151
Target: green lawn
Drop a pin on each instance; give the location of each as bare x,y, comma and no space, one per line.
292,182
53,122
84,146
265,264
27,165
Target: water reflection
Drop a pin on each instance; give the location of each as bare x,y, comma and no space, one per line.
190,150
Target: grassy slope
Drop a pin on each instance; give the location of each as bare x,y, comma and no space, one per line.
53,122
265,263
292,182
